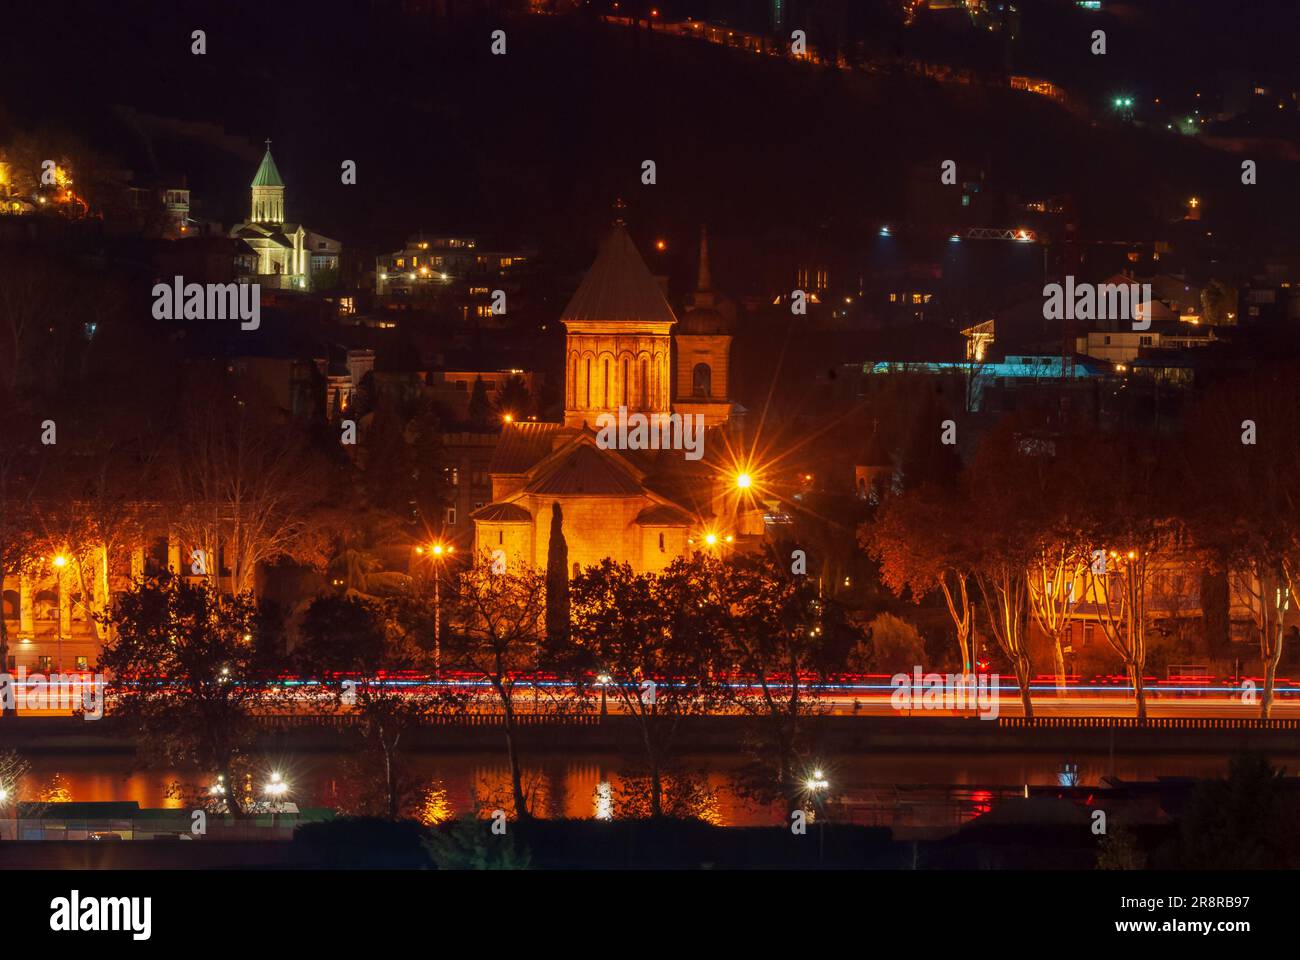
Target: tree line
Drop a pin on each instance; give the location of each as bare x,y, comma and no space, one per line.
190,667
1047,525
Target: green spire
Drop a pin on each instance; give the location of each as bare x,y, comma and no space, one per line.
267,174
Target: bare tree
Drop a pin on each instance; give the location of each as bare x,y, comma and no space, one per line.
497,620
1053,572
921,539
1119,591
246,484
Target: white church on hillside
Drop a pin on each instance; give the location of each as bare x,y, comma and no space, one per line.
288,254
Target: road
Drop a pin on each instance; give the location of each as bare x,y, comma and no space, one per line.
872,698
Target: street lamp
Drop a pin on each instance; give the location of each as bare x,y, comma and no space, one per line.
60,561
816,785
603,682
437,551
276,788
744,481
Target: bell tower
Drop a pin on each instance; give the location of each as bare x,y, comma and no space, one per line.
704,349
618,348
268,192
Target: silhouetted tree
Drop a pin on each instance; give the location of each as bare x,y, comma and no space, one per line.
513,398
656,640
358,651
480,410
187,676
774,636
557,582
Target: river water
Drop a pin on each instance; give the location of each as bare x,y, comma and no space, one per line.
594,785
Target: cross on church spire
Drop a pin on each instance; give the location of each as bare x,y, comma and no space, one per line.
268,146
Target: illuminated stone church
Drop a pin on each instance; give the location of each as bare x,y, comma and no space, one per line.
288,254
625,347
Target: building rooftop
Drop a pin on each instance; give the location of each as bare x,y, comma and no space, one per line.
584,470
619,287
267,174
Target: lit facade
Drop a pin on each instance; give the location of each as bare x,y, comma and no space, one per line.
642,507
288,254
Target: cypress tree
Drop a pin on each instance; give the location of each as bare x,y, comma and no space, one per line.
557,580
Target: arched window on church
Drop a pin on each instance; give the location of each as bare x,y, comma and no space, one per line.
625,393
645,384
702,380
587,391
573,381
605,388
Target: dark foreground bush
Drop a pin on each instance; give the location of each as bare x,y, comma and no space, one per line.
693,845
363,842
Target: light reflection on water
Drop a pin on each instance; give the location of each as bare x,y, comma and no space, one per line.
589,786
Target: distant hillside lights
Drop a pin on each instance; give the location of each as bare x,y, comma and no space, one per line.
209,301
656,431
1107,301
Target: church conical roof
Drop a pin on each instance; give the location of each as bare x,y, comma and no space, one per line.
267,174
619,286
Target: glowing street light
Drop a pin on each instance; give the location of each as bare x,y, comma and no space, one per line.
276,788
817,785
603,681
711,539
60,561
744,481
437,550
